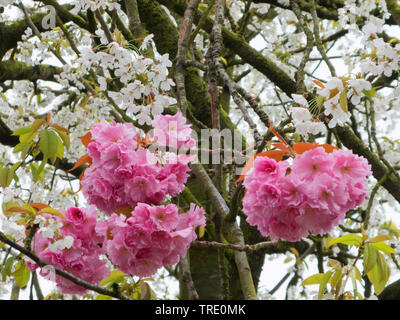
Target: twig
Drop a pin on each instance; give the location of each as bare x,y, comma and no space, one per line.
63,273
104,26
246,247
318,39
300,88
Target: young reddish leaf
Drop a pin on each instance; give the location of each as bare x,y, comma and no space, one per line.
319,83
302,147
37,124
19,209
52,211
86,139
329,148
81,161
295,252
282,146
60,128
38,206
276,134
380,238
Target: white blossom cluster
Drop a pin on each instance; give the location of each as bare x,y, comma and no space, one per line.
354,90
384,58
145,79
353,10
331,93
84,5
33,51
303,121
10,227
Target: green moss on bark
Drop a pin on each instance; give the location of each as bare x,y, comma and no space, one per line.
16,70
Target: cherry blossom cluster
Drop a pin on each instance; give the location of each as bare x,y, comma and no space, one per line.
303,121
383,59
310,196
153,236
76,248
145,79
124,172
333,96
84,5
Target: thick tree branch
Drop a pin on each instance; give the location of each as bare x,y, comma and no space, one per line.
232,230
16,70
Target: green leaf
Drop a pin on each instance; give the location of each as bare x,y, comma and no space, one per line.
146,292
349,239
325,279
354,277
357,273
314,279
60,151
103,297
6,176
116,276
369,93
28,137
383,266
21,146
22,131
380,273
34,170
369,258
65,138
48,143
6,270
21,274
383,247
336,278
41,167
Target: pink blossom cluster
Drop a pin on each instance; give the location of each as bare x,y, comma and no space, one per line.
311,196
153,236
127,176
124,172
81,258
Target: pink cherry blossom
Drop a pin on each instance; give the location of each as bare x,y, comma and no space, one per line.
82,258
313,197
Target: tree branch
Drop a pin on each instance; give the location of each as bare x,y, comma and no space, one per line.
63,273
